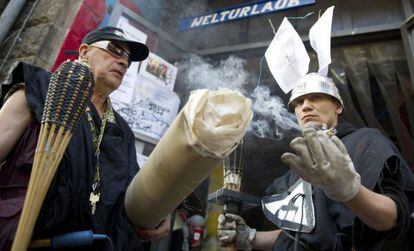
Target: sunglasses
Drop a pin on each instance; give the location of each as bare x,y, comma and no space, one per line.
113,49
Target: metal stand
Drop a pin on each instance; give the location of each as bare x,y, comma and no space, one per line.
233,202
229,195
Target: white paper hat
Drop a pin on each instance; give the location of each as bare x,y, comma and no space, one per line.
287,57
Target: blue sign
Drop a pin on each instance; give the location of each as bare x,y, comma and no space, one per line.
239,12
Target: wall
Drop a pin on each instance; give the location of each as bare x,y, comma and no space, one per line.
40,39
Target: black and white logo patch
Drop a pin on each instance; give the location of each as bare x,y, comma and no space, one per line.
292,210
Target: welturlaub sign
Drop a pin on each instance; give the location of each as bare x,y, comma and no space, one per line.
239,12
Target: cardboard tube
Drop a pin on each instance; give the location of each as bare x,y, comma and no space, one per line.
208,128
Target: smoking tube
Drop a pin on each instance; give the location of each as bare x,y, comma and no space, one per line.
207,129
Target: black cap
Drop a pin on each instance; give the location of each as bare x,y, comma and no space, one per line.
138,50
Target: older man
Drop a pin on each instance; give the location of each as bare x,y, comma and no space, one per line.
355,178
99,160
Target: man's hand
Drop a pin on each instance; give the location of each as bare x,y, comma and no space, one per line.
325,163
232,229
157,233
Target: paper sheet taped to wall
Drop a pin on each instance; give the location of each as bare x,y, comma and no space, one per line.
151,111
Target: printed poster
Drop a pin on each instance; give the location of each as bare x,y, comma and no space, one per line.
152,110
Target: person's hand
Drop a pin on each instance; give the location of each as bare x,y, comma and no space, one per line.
231,228
162,230
324,162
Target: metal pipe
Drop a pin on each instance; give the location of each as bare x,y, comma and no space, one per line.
9,15
17,36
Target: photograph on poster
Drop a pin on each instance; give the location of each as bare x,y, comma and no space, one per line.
159,70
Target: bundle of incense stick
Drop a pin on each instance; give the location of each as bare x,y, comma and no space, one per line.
233,169
70,88
208,129
232,177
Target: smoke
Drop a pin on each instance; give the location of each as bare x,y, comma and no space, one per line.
198,73
271,118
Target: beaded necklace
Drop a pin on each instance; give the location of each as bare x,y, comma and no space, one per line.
96,140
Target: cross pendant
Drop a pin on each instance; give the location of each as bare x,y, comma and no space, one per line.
94,198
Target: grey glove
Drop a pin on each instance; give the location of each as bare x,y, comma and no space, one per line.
231,228
325,163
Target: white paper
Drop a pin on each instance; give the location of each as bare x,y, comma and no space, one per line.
152,110
320,40
286,57
130,31
159,70
141,159
125,91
